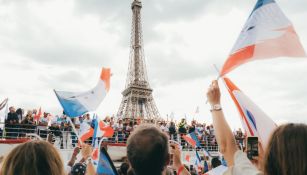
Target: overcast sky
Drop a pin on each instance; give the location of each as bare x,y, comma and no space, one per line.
56,44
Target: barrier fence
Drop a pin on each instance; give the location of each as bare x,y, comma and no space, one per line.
64,138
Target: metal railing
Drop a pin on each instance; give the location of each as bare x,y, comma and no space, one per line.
65,138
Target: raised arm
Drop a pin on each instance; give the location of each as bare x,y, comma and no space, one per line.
224,136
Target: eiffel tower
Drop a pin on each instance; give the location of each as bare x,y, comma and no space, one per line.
137,102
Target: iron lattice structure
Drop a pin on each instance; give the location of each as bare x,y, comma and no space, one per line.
137,102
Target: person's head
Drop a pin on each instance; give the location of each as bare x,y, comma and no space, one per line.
45,114
12,109
29,113
34,111
286,153
148,150
124,168
215,162
19,111
35,158
78,169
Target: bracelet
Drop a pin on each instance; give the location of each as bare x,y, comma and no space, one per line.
180,169
212,110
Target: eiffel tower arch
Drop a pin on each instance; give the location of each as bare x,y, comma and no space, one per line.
137,101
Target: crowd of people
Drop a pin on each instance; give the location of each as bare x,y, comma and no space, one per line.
18,125
150,153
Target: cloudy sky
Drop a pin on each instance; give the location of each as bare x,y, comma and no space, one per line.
56,44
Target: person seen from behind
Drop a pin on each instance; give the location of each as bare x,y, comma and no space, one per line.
148,152
286,153
33,158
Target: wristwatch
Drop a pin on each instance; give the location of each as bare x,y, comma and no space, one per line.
89,160
216,107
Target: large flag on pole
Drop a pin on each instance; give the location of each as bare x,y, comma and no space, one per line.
254,120
78,103
267,33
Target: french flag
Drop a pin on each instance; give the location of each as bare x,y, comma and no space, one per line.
254,120
192,139
267,33
100,130
78,103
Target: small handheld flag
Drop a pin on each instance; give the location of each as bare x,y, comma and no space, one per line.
192,139
105,165
77,103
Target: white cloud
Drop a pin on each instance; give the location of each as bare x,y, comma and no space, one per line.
46,45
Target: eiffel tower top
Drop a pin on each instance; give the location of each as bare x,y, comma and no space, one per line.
136,3
137,74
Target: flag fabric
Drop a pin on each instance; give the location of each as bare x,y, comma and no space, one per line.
187,157
206,153
266,34
77,103
87,134
197,159
254,120
3,104
6,110
192,139
101,130
105,165
38,115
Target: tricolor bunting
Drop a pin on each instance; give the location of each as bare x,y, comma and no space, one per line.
266,34
192,139
254,120
77,103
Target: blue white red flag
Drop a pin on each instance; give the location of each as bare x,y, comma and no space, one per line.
197,158
254,120
206,153
77,103
197,161
192,139
267,33
105,165
100,130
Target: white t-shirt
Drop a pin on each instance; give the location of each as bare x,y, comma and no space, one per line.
242,166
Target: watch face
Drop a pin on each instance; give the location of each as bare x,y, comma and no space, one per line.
217,107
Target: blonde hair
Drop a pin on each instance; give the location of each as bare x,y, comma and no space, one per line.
33,158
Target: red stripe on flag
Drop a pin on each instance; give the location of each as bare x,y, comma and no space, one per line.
231,88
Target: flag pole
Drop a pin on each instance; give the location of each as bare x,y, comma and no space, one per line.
217,70
218,77
74,129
